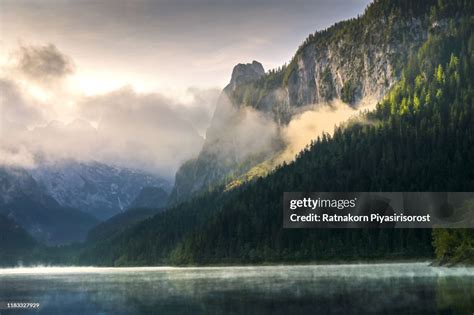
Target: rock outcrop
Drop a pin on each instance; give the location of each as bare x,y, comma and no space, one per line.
245,73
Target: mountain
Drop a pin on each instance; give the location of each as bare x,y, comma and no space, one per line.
419,137
150,201
355,62
150,197
98,189
26,203
230,144
15,243
120,222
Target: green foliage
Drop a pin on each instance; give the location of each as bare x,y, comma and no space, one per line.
348,93
454,246
253,93
288,71
17,247
15,243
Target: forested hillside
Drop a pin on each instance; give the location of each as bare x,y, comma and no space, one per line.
354,61
419,138
15,243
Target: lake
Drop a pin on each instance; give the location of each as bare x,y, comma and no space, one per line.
400,288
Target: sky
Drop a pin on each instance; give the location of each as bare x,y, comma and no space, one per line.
137,71
167,45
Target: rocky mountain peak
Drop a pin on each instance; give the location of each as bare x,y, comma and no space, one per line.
244,73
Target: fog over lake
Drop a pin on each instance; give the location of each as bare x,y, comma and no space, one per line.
359,288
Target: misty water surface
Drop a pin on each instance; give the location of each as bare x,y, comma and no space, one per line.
388,288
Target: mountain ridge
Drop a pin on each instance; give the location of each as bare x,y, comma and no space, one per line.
25,202
99,189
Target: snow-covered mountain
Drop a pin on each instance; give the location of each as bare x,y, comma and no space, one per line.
98,189
24,202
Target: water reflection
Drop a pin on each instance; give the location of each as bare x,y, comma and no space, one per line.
339,289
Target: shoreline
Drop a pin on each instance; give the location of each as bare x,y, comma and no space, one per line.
170,267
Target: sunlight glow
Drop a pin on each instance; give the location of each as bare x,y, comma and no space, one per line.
37,92
92,84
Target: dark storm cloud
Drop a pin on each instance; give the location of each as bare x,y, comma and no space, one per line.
43,62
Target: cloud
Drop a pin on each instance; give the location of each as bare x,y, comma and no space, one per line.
148,131
315,120
199,110
18,156
43,63
241,133
142,129
16,107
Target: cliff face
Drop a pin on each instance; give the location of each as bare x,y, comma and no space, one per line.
350,68
243,74
348,62
237,138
